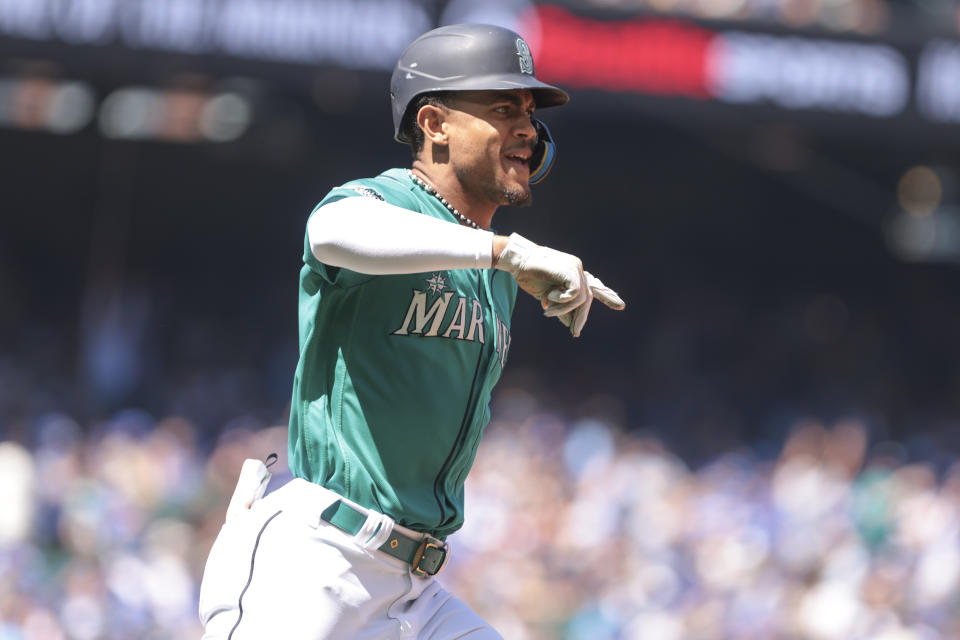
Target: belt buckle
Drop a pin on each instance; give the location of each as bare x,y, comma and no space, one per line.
428,543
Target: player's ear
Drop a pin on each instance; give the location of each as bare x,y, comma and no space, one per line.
432,120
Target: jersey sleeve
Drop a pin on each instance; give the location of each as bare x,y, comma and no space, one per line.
380,188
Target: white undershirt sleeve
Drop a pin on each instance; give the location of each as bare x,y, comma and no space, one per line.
371,236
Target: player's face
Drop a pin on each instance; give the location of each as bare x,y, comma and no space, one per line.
491,140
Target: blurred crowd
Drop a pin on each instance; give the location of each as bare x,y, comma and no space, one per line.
576,529
580,530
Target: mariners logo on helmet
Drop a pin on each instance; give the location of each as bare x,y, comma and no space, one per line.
526,60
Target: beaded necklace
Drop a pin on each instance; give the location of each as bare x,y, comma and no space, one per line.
459,216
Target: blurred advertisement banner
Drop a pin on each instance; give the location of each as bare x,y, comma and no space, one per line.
674,58
801,73
355,34
707,64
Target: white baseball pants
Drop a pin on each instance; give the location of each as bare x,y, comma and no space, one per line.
278,571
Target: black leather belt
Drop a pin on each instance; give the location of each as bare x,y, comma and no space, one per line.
425,554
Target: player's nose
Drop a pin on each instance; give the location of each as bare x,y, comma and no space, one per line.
525,129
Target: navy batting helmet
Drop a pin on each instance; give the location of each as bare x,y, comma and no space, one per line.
473,57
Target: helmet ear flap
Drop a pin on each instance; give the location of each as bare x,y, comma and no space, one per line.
544,154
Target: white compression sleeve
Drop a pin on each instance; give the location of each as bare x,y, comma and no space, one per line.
374,237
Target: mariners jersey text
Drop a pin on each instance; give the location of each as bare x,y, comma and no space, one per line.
435,313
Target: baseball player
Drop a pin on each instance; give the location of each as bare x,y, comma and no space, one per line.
405,306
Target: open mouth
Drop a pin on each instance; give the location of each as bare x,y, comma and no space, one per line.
519,160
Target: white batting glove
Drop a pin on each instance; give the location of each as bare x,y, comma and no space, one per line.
576,319
556,279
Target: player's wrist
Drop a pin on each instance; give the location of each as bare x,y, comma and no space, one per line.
499,244
512,254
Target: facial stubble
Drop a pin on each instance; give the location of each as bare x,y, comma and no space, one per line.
496,191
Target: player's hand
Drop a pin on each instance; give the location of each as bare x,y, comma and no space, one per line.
576,319
557,280
554,278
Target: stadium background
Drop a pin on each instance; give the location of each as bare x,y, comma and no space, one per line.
762,445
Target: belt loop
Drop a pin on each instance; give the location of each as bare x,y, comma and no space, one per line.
383,533
376,528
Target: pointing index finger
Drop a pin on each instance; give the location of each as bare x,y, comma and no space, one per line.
604,294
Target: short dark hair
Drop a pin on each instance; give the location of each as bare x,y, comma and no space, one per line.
409,127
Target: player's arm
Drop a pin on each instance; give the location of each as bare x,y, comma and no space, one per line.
368,235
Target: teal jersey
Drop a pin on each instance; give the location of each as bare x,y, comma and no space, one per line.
392,390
